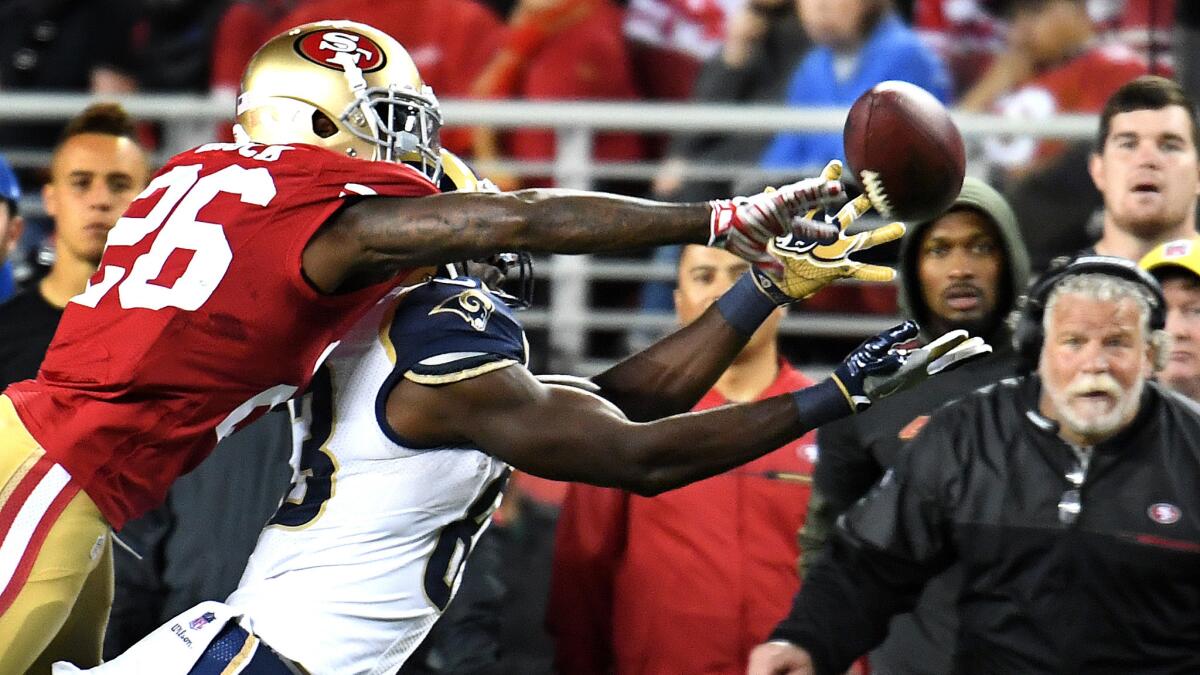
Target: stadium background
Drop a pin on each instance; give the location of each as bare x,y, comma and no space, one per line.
587,311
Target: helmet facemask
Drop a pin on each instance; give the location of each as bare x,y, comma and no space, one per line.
495,271
403,124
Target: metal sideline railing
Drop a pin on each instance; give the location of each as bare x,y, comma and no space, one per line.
189,120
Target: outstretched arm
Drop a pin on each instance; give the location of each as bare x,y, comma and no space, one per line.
670,376
473,224
564,433
381,235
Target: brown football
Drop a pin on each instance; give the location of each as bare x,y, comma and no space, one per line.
905,151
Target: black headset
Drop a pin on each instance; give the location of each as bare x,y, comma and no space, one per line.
1027,331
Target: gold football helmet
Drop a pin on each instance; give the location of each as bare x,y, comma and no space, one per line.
344,86
457,176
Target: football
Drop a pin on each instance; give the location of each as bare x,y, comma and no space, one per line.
905,151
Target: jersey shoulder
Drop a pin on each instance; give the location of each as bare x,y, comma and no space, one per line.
315,170
448,330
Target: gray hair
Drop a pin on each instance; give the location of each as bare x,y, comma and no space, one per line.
1108,288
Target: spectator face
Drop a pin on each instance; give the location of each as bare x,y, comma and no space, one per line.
1049,29
1094,364
1182,372
1148,171
11,226
704,275
836,23
959,267
93,178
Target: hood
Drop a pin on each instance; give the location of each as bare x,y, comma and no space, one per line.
983,198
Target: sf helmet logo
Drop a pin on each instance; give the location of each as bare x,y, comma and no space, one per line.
323,48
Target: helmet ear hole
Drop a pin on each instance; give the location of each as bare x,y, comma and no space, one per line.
322,125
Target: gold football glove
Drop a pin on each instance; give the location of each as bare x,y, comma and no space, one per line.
808,267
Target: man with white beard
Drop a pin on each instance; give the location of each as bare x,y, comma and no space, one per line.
1068,494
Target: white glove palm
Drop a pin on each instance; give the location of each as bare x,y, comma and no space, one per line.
916,365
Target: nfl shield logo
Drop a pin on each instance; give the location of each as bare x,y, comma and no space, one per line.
1177,249
202,620
1164,514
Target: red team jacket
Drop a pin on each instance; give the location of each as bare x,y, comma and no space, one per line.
199,317
688,581
1081,85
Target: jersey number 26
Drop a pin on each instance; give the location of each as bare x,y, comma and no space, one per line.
174,217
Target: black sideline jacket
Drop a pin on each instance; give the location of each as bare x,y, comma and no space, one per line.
1115,591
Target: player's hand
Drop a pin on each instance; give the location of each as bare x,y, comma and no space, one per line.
807,266
779,658
745,225
943,354
872,362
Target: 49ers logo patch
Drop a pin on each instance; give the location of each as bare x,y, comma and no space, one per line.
329,47
1163,513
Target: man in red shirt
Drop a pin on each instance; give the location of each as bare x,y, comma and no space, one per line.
557,50
232,276
1051,66
691,580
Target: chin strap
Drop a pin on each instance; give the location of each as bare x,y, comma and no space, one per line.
358,87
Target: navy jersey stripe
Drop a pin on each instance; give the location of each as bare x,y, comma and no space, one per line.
445,331
448,316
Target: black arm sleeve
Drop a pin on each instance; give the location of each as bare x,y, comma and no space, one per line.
1187,15
847,600
883,552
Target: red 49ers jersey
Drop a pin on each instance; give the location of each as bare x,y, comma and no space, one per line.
1081,85
198,318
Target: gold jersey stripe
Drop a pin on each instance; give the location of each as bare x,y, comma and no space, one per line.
459,376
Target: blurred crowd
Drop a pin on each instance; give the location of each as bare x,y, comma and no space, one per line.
1024,59
1028,60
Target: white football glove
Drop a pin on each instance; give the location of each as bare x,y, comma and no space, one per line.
745,225
916,365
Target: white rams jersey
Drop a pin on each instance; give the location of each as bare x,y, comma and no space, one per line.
369,546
